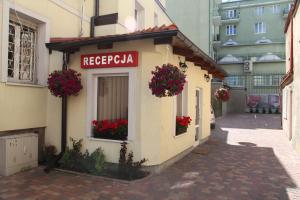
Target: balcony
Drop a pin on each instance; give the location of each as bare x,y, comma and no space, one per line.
216,41
230,18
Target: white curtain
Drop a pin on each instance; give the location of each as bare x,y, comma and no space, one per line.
113,98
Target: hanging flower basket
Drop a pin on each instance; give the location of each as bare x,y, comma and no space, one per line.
182,123
167,80
64,83
222,94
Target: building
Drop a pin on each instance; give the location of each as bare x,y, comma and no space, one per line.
290,84
105,28
194,19
249,45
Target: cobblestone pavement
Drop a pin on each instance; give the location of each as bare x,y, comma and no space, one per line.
248,157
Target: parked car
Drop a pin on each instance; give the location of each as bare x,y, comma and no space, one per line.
212,118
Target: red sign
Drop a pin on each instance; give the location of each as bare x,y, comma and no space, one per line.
106,60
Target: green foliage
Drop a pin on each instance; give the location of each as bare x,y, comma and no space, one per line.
74,159
127,168
49,152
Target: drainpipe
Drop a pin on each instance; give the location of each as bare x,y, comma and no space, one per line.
53,162
64,109
92,30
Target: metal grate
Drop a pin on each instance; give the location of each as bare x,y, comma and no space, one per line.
21,52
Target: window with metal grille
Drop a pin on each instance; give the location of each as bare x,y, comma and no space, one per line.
267,80
22,41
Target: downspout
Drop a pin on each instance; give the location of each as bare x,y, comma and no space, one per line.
64,109
92,29
54,161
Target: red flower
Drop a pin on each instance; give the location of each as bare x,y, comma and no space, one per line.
167,80
64,83
222,94
183,121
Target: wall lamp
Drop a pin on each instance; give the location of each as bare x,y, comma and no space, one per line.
183,66
207,78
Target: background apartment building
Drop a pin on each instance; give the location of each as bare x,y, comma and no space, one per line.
249,44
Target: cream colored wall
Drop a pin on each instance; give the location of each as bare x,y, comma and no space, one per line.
25,107
125,10
155,119
294,86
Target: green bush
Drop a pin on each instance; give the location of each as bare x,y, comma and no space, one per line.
127,168
73,159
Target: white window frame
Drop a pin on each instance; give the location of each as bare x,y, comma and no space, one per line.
231,30
260,10
17,51
260,27
43,29
92,98
185,112
156,19
139,16
276,8
231,14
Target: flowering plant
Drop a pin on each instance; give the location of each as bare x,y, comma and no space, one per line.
64,83
182,124
222,94
167,80
115,130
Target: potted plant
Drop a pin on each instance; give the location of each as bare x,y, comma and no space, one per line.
247,110
253,109
113,130
64,83
182,124
222,94
167,80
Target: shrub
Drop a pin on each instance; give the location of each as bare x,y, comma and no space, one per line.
74,159
127,168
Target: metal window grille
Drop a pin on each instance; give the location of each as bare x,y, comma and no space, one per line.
21,51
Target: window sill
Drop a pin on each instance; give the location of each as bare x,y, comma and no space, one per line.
107,140
180,135
25,85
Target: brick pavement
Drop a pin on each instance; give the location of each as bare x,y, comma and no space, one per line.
249,158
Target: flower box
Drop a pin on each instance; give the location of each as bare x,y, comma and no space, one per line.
112,130
182,124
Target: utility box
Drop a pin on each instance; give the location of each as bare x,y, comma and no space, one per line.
18,153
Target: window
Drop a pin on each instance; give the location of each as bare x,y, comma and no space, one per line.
235,81
231,14
276,8
181,105
112,107
155,19
260,11
22,42
267,80
112,100
260,27
231,30
139,16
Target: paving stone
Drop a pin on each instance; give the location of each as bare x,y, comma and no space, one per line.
248,158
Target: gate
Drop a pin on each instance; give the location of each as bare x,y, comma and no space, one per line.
254,93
